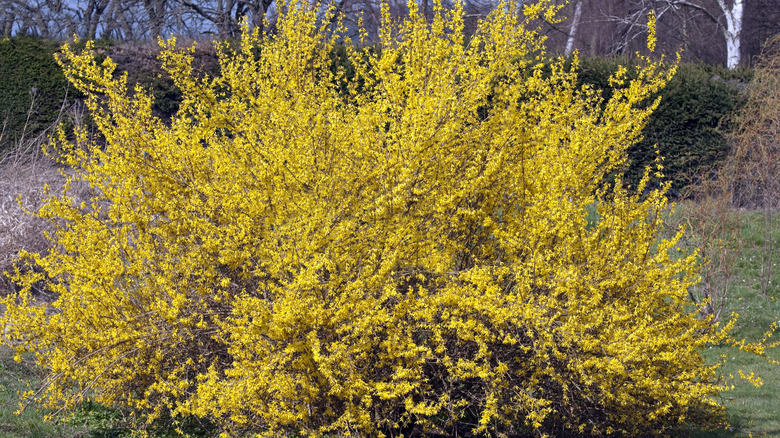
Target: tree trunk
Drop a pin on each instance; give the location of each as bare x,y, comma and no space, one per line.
155,11
573,30
733,31
92,17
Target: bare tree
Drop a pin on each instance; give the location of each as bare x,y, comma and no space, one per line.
760,22
706,29
222,15
156,11
726,15
754,163
7,18
117,24
256,10
92,15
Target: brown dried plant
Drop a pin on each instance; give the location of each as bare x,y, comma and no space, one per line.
25,174
753,169
749,178
713,228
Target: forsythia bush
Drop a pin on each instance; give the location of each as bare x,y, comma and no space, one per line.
403,250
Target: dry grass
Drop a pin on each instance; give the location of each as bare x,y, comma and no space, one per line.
27,178
24,173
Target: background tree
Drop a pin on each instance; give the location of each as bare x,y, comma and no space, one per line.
575,23
594,27
616,27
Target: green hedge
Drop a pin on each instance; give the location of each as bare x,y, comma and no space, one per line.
689,124
27,67
27,70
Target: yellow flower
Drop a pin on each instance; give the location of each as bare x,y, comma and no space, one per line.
288,255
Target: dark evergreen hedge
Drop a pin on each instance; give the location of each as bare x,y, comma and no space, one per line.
690,123
31,83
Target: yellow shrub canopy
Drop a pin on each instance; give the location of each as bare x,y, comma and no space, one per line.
308,251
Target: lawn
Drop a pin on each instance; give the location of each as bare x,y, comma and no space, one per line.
751,410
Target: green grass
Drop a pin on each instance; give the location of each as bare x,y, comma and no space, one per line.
14,379
751,411
88,420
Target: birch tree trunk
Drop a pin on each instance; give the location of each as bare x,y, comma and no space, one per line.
573,30
733,30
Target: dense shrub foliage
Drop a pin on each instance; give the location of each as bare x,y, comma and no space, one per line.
410,248
32,88
686,126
